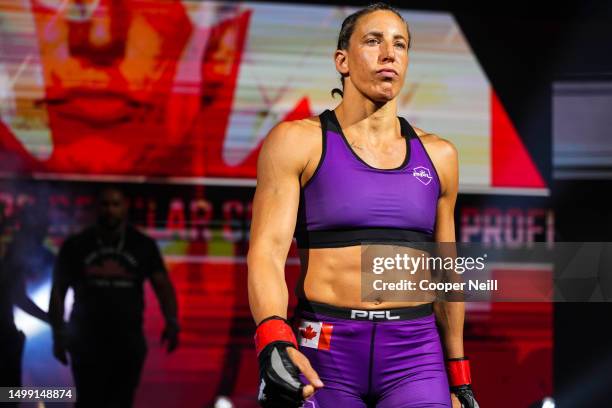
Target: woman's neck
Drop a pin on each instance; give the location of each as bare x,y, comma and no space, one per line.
364,116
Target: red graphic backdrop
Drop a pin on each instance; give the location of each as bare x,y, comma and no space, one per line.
111,101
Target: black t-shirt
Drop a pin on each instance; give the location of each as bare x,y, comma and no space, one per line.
108,279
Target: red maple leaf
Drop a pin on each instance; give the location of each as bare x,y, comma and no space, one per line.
308,333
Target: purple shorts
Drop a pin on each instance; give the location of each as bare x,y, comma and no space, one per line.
388,358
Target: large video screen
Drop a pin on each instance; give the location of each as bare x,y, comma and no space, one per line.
151,89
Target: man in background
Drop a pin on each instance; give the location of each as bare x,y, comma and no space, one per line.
106,265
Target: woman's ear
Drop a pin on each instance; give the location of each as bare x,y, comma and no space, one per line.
341,60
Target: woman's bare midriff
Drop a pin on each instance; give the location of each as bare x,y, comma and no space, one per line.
333,276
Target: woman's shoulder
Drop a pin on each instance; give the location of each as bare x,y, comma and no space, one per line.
296,133
293,142
435,145
301,127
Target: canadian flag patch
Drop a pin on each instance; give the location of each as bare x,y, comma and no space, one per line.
315,334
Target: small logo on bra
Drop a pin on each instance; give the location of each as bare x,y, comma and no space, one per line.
422,174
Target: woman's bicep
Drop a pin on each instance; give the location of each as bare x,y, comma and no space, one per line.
277,195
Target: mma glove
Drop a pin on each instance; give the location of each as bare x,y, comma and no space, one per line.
279,382
460,381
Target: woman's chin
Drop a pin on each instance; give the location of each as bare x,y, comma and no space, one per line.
383,97
384,94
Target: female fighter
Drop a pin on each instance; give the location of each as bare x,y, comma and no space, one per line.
355,175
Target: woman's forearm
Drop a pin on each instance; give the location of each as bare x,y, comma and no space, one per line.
268,294
450,318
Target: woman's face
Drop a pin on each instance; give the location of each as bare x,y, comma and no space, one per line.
377,57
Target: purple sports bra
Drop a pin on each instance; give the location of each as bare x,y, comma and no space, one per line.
348,202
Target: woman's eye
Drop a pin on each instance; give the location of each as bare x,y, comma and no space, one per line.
372,41
400,45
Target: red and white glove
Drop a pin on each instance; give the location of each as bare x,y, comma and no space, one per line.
279,385
460,381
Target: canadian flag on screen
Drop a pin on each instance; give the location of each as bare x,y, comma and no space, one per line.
315,334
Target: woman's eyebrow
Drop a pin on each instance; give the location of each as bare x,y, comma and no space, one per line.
380,34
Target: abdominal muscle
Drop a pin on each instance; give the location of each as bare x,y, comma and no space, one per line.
333,276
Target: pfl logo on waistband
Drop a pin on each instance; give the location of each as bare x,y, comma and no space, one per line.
422,174
373,315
